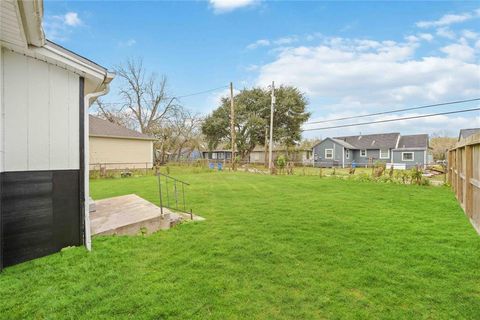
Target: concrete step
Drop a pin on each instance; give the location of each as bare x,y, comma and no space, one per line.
131,215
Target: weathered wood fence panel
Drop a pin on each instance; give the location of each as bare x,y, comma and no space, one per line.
464,176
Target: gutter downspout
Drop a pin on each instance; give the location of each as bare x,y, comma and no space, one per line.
87,101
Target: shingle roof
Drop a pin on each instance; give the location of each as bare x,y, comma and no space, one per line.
372,141
465,133
413,141
103,128
279,149
343,143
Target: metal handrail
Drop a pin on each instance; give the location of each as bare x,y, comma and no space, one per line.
175,193
166,175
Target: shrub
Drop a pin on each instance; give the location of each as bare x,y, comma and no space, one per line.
281,161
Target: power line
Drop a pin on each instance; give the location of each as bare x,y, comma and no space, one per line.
392,120
179,97
393,111
201,92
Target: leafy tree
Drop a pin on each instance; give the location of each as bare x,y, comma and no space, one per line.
252,119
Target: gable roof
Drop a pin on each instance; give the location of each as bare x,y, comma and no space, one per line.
413,141
465,133
371,141
103,128
342,143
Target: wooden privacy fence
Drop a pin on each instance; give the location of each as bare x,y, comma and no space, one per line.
464,176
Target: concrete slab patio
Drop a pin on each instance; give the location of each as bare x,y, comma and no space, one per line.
131,215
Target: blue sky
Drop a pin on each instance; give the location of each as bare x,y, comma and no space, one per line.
348,57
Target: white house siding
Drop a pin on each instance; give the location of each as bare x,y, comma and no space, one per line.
2,145
11,29
40,115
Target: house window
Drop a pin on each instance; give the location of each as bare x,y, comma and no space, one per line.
347,153
384,153
407,156
214,155
363,153
221,155
328,153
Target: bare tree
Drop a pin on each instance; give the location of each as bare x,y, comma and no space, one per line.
188,127
119,116
178,136
145,99
147,107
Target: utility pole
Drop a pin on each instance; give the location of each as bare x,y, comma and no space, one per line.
272,106
232,125
265,149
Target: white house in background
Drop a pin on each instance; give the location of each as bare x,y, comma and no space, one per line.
116,147
45,94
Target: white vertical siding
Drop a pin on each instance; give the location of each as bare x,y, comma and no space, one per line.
73,121
2,154
15,106
37,116
41,103
59,118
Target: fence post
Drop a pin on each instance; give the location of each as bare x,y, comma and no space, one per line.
468,184
183,196
176,194
168,196
160,194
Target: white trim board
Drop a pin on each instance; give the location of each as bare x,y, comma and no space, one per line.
330,158
380,154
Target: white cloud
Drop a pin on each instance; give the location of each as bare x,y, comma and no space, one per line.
72,19
251,67
425,36
446,20
59,27
459,51
258,43
446,33
345,77
127,43
469,34
286,40
215,99
282,41
363,76
223,6
449,123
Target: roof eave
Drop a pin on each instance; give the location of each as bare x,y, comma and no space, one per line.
122,137
31,12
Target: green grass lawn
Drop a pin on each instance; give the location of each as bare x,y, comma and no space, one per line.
281,247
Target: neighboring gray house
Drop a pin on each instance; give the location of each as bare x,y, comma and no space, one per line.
402,152
465,133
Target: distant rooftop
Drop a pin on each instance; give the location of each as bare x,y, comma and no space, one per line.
413,141
465,133
103,128
372,141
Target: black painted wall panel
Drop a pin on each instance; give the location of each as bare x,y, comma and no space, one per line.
40,213
66,206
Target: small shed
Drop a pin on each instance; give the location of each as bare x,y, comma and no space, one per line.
115,147
46,91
